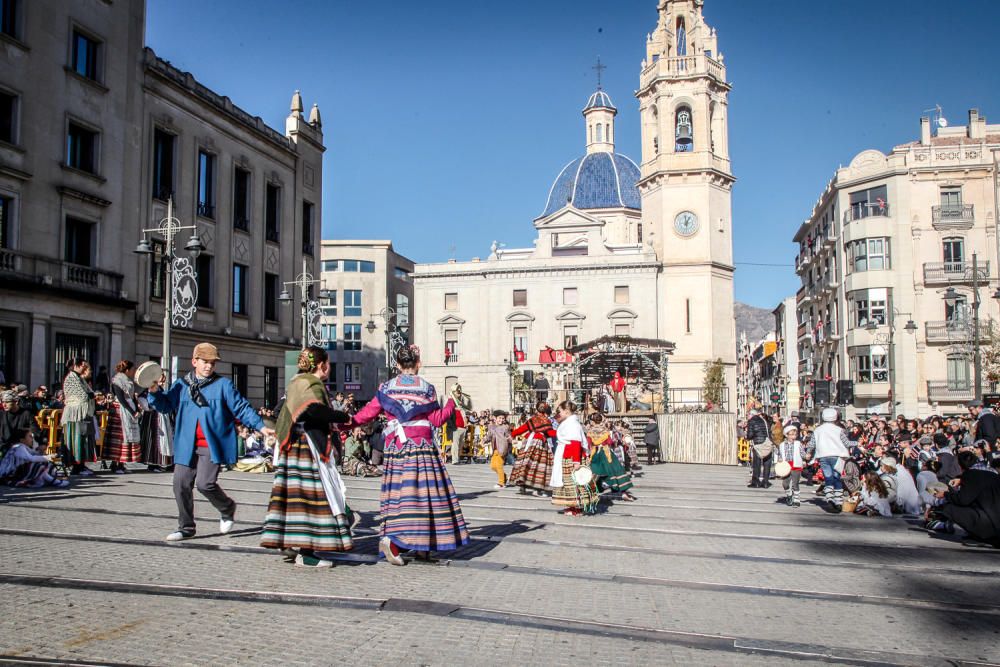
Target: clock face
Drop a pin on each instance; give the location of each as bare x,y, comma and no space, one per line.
686,224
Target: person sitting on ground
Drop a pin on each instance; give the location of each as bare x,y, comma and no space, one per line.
13,418
24,466
907,499
927,476
874,496
357,454
972,503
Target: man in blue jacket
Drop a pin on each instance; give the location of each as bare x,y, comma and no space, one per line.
207,407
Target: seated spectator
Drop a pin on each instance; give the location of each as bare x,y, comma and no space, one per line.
357,453
972,503
906,498
24,466
927,476
13,418
874,496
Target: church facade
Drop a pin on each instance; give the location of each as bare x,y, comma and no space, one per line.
623,248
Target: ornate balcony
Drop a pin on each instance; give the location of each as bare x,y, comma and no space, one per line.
961,216
33,271
952,273
953,332
866,210
950,392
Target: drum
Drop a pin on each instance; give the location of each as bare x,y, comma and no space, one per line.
782,469
583,476
148,374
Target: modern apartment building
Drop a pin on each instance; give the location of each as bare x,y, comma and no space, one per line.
891,261
367,311
96,134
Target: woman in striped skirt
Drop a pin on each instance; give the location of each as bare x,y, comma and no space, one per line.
77,420
418,504
571,453
534,464
308,512
122,443
608,470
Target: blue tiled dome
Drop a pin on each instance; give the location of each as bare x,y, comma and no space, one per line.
597,180
600,100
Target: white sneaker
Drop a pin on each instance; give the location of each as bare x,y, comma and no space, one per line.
226,525
177,536
497,487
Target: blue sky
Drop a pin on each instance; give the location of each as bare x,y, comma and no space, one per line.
446,122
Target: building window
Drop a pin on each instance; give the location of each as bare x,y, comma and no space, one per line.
329,334
520,343
272,213
241,377
450,345
870,305
622,330
571,336
271,386
271,297
951,200
85,54
206,185
520,298
870,364
352,303
687,315
954,254
402,310
358,266
240,273
205,268
330,265
352,337
958,373
163,164
71,346
329,306
352,373
8,117
957,310
451,301
158,270
367,267
569,296
9,17
6,213
307,228
401,274
868,255
868,203
638,233
81,148
241,199
621,295
79,242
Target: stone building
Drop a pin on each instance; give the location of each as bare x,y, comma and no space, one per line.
97,133
622,248
368,294
888,237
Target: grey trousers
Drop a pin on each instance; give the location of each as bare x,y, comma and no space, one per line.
457,444
791,483
206,473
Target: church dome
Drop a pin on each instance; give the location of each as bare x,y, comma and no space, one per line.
595,181
600,100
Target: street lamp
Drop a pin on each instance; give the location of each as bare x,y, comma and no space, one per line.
395,335
181,290
310,309
952,298
888,340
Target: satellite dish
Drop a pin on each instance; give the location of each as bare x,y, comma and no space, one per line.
942,122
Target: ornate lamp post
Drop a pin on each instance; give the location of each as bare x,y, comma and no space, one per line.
395,335
311,332
889,341
181,293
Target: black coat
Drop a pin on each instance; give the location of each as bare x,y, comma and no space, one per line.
14,421
988,428
975,506
758,430
652,435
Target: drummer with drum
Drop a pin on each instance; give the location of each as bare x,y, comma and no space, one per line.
791,455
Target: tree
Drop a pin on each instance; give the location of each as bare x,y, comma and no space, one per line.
990,351
714,386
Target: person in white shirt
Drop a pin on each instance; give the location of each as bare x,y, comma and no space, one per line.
907,497
831,445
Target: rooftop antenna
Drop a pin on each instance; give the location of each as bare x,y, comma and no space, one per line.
600,72
938,119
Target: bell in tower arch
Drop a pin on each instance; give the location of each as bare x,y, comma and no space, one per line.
684,133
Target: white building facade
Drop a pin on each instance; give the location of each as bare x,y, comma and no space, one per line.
643,250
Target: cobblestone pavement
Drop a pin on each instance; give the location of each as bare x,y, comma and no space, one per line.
700,571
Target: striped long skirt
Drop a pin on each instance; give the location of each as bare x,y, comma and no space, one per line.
307,509
121,442
570,494
533,468
78,441
418,503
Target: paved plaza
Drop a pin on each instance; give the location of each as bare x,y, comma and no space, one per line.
700,571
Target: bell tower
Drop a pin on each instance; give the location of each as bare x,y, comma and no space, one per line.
686,189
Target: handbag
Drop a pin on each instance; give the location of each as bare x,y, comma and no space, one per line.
764,449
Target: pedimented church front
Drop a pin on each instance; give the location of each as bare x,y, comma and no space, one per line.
642,249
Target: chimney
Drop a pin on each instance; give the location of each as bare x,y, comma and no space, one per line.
977,125
925,131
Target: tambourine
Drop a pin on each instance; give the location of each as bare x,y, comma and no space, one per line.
782,469
148,374
583,476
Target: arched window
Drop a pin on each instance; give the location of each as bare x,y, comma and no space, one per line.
682,40
684,130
